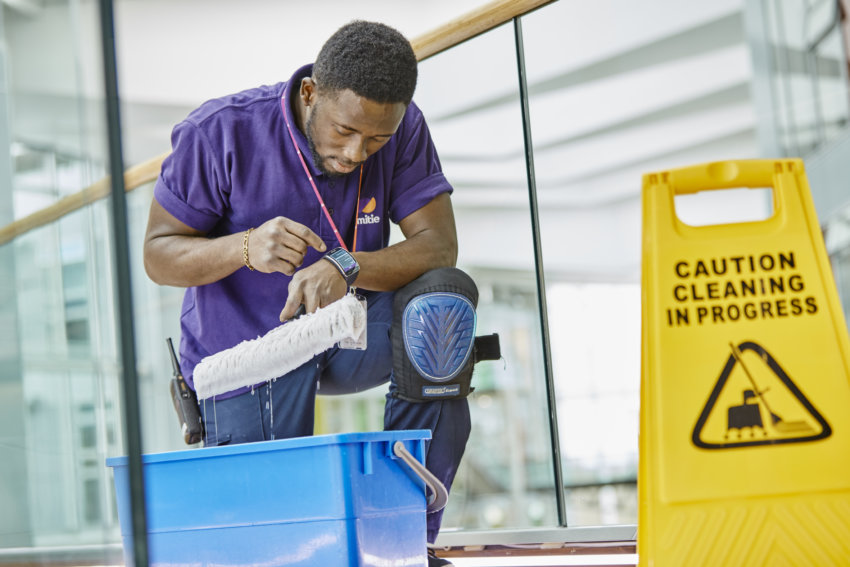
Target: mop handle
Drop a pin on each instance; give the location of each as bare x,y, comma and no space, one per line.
737,354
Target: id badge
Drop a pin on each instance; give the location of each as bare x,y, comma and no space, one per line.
358,342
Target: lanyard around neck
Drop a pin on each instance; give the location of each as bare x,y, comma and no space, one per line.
313,183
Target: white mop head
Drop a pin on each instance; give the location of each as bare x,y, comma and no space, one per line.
281,350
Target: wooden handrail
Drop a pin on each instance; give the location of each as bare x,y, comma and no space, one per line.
134,177
471,24
448,35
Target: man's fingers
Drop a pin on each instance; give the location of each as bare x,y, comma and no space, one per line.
280,245
287,261
293,302
305,234
311,303
315,286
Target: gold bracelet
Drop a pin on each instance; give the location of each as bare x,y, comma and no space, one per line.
245,249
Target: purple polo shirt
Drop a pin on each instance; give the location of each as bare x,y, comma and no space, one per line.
233,167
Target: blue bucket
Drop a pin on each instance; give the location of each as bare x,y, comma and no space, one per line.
326,500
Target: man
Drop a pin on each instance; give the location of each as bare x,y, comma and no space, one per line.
265,185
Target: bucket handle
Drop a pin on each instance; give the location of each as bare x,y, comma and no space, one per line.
439,494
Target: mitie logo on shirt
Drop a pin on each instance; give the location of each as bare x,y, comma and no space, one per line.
368,217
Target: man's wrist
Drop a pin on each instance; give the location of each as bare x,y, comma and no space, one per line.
343,261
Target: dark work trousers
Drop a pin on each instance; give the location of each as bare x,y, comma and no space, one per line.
284,407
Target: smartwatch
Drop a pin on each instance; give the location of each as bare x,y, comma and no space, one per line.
345,263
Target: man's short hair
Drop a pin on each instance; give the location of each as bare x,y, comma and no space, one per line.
371,59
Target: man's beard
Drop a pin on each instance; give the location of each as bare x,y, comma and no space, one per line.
317,159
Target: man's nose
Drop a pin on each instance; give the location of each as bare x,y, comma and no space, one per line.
355,150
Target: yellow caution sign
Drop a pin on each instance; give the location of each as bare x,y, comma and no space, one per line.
745,384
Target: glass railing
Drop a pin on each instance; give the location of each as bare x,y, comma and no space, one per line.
65,404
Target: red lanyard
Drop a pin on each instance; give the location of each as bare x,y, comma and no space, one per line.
316,190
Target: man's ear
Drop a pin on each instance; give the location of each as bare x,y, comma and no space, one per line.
308,91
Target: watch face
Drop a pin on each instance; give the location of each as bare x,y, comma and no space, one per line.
345,260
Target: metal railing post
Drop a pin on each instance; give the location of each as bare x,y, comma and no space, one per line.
124,311
541,283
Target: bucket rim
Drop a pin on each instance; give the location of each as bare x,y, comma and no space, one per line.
277,445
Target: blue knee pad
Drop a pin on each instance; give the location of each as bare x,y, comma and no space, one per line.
433,336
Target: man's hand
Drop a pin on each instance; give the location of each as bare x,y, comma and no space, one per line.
315,286
279,245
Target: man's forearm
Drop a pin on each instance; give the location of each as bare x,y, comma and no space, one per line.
185,261
401,263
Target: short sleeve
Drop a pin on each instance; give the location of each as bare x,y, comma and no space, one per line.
418,176
191,186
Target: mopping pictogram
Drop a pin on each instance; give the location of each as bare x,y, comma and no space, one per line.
763,405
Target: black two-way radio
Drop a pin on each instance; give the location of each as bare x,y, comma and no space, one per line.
185,403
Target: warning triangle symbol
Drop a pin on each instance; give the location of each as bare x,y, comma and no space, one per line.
756,403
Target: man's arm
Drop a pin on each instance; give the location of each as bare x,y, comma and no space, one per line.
430,242
179,255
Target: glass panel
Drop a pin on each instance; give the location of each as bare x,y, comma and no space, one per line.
506,477
469,95
156,317
60,400
659,85
69,416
